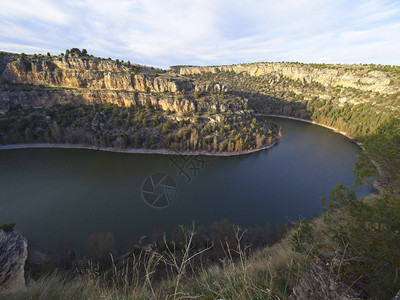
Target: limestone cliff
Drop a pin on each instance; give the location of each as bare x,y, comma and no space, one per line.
34,97
88,73
365,78
46,80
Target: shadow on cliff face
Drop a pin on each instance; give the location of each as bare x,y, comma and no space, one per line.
269,104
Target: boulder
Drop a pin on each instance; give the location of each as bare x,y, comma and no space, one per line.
13,253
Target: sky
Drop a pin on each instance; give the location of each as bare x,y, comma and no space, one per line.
163,33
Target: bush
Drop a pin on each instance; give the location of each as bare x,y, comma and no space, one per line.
369,232
76,51
8,227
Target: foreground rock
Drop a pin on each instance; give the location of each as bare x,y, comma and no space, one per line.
13,253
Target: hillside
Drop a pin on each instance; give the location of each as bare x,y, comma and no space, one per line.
351,252
359,100
351,98
47,99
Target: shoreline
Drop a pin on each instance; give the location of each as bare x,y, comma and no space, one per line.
376,185
132,150
311,122
171,152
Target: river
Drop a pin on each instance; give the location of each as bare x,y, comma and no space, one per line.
58,195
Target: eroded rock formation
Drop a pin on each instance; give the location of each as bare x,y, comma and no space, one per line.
174,103
89,74
354,76
13,253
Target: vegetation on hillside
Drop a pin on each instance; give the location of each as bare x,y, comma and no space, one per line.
108,125
367,232
351,110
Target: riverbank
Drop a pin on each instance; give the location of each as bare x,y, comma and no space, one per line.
170,152
137,151
312,122
376,184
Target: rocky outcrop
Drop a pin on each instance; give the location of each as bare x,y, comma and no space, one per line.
13,253
175,103
211,88
87,73
353,76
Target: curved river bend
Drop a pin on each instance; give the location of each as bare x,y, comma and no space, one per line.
67,194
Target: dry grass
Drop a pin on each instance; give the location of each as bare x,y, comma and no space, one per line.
267,274
270,273
54,287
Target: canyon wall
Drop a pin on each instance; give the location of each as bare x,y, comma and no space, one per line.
91,73
175,103
353,76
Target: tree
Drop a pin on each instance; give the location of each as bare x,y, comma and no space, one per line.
155,121
166,127
55,131
84,52
138,141
194,139
28,135
75,51
7,227
215,143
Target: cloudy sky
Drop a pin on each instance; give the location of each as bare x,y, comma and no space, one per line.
207,32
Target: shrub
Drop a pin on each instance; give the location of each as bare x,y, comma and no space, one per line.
369,232
8,227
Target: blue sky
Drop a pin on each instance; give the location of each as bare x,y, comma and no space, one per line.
207,32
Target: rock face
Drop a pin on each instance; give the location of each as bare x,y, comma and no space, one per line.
173,103
358,77
211,88
87,73
13,253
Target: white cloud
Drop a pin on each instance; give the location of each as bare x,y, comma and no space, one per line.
40,10
164,33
